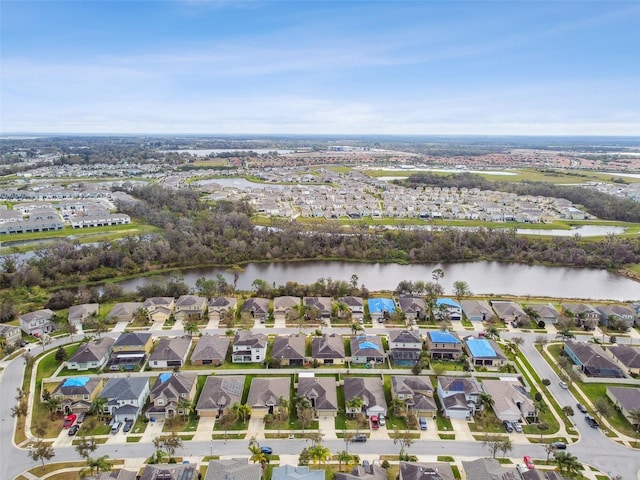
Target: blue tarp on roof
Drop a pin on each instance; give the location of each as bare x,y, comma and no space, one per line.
364,343
448,302
75,382
480,347
443,337
164,377
377,305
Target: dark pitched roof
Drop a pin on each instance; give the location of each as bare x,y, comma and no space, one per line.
328,346
175,348
129,388
175,386
321,389
92,351
628,356
221,392
132,339
426,471
266,391
627,397
289,347
174,471
368,389
211,347
405,336
233,468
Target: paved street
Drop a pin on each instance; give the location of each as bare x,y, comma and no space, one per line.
593,447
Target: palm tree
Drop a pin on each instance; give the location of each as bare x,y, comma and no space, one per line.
52,404
319,453
567,462
283,408
397,405
343,457
96,464
97,406
243,411
355,328
191,327
485,401
355,405
256,454
185,404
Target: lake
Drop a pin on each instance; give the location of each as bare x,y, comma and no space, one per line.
483,278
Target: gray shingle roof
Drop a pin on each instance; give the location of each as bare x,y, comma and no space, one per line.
211,347
92,351
233,468
129,388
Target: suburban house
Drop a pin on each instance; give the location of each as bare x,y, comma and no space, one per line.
190,306
130,350
426,471
546,312
489,469
256,307
369,471
170,471
510,400
416,392
627,356
286,307
447,309
370,390
159,309
367,349
38,323
625,313
484,352
627,399
323,304
592,360
210,350
444,345
509,311
170,352
125,397
405,346
381,308
355,305
414,308
321,393
80,313
290,349
297,472
169,391
219,393
584,315
249,347
476,310
265,394
219,307
93,354
115,474
77,393
458,396
328,349
233,468
123,312
10,335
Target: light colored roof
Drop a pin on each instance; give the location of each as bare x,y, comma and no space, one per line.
266,391
322,389
221,392
233,468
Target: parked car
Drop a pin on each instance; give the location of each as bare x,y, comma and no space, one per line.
423,423
581,407
375,423
73,430
127,425
559,445
517,426
507,426
382,420
360,438
266,450
80,418
563,385
591,421
528,461
69,420
115,428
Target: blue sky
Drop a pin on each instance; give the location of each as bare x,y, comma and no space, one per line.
346,67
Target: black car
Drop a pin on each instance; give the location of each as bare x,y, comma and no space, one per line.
73,430
581,407
80,418
507,426
127,425
360,438
559,445
591,421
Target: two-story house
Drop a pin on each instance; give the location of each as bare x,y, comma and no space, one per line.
583,314
405,346
159,309
125,397
190,306
622,313
77,393
10,335
354,304
38,323
221,306
447,309
249,347
458,396
416,392
444,345
130,350
169,395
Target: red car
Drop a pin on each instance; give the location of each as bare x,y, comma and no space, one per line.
528,462
69,420
375,423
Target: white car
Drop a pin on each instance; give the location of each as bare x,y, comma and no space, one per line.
381,420
563,385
